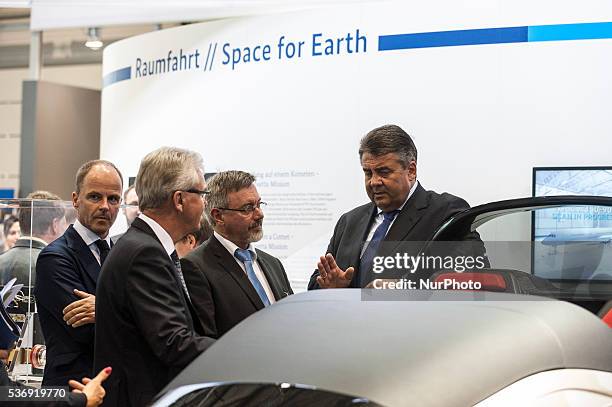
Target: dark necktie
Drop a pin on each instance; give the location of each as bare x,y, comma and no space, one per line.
103,248
365,264
245,257
179,272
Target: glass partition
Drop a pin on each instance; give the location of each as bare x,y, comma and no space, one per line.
28,226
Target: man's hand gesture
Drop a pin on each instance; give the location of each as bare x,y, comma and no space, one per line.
332,276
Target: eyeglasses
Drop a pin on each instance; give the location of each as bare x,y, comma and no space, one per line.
197,191
247,209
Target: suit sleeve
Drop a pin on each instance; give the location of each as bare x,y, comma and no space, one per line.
331,248
56,278
201,296
159,312
285,278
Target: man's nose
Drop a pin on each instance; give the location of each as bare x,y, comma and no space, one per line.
104,203
376,180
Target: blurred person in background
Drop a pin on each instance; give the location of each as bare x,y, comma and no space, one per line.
194,239
12,232
130,209
41,221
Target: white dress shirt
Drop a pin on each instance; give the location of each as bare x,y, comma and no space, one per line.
90,239
231,248
161,234
380,217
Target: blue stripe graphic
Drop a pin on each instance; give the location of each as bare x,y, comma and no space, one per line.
117,76
452,38
503,35
567,32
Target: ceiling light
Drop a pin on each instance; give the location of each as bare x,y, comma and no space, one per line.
93,41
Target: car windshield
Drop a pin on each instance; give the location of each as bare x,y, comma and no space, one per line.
564,251
258,394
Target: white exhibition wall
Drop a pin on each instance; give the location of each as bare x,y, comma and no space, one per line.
481,115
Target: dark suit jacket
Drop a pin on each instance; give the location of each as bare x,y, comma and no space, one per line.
221,291
15,263
145,328
424,212
65,264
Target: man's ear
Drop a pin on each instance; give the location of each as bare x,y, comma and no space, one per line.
54,227
412,170
191,241
177,200
217,215
75,199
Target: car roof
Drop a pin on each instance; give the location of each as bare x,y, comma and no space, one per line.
472,218
399,347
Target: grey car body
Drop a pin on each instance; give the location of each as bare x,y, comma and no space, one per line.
413,347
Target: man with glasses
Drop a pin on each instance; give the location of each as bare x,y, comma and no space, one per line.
146,328
228,278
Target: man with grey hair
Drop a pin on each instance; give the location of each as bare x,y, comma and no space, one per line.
146,328
227,277
400,210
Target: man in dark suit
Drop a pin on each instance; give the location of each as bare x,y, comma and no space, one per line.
228,278
146,328
67,272
400,210
49,224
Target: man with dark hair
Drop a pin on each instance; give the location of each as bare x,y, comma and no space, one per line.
228,278
67,274
49,223
400,210
146,328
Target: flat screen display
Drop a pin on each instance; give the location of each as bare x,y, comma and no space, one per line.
572,242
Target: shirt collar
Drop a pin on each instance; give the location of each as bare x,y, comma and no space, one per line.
414,186
231,247
34,238
88,235
160,232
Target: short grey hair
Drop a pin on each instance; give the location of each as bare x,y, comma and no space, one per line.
389,139
221,185
164,171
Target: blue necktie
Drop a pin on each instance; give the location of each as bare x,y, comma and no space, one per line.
365,264
245,257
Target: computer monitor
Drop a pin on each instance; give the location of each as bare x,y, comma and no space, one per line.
566,240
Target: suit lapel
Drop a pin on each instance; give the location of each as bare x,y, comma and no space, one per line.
191,314
228,263
361,231
83,254
267,269
408,218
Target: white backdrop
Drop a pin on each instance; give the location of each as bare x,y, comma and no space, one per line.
481,115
